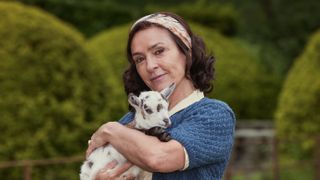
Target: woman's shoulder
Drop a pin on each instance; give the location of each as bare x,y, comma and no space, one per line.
210,105
207,111
211,113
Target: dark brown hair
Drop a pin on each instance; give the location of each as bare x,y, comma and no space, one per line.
200,67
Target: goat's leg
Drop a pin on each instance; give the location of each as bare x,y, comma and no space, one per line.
160,133
132,172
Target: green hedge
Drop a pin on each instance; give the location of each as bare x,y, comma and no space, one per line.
90,17
298,115
53,95
109,49
281,28
241,81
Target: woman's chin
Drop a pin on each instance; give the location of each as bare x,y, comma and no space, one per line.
159,84
159,87
156,88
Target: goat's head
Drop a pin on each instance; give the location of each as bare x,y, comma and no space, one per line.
152,108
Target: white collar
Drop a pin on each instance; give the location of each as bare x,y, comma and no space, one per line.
195,96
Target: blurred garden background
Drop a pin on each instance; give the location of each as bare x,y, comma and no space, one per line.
61,64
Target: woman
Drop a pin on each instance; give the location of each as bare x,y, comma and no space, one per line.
162,50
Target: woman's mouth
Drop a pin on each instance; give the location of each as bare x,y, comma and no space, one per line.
157,78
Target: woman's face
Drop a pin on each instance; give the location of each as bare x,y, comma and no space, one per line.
158,60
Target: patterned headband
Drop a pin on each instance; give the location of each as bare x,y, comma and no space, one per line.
169,23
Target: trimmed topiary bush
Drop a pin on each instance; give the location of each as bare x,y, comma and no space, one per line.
53,95
241,81
109,49
298,115
98,15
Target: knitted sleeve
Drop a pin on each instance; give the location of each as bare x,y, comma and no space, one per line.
206,131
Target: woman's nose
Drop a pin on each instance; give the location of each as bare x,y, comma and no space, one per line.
151,64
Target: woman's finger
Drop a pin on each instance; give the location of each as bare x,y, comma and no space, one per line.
102,175
111,164
98,138
89,150
123,168
95,142
128,177
106,172
120,170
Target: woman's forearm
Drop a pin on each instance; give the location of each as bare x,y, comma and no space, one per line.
145,151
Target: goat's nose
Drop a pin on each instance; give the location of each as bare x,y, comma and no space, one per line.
167,122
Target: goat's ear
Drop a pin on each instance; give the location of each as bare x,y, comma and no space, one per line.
168,91
133,100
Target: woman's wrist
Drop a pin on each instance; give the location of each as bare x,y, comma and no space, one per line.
110,129
103,136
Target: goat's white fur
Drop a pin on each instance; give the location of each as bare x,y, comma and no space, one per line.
148,114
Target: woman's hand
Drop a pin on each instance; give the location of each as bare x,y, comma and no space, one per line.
100,137
109,173
144,151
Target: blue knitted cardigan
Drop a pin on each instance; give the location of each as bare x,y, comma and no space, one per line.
206,130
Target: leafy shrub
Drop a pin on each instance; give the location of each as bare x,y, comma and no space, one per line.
282,27
241,81
90,17
52,93
109,49
297,116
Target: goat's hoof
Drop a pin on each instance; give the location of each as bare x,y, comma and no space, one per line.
165,137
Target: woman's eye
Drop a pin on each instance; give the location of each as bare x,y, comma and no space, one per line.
159,51
138,60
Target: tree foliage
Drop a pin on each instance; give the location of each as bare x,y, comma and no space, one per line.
90,17
221,17
110,13
280,28
297,116
52,93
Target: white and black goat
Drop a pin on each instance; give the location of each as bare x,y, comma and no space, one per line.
151,116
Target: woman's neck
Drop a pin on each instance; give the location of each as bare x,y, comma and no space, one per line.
182,90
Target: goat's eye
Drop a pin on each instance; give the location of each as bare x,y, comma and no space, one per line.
159,107
149,111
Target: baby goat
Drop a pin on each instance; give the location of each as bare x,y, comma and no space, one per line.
151,116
